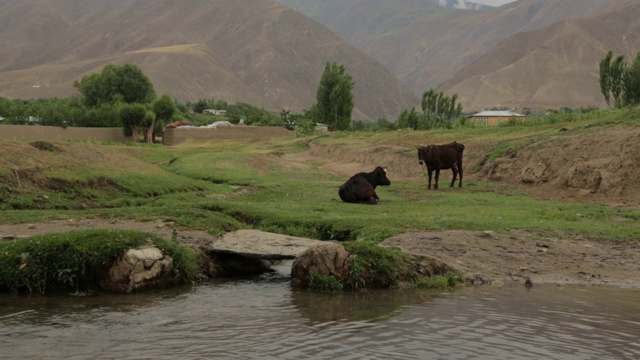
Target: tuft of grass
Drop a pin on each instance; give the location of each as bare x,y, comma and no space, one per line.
447,281
325,283
374,266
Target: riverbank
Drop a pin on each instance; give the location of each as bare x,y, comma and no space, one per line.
485,258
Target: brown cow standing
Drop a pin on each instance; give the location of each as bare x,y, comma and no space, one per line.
361,187
440,157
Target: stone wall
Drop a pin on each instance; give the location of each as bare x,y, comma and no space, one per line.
49,133
178,135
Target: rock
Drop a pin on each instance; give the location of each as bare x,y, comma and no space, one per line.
140,268
428,266
328,259
528,283
331,259
262,245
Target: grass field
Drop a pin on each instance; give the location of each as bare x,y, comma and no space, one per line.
229,185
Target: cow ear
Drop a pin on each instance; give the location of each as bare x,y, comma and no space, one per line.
418,147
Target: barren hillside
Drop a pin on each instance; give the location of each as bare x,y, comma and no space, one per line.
255,51
551,67
426,46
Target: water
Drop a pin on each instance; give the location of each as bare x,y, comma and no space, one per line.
265,319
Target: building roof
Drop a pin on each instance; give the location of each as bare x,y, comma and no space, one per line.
497,114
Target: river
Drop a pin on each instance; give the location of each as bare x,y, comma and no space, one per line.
264,318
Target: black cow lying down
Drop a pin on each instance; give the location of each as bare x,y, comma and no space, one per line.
361,187
441,157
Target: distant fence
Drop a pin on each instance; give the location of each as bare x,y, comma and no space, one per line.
177,135
37,132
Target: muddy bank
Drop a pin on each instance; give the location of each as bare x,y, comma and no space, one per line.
486,258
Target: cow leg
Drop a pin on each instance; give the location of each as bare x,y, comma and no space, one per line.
374,199
460,171
369,196
430,172
437,178
455,175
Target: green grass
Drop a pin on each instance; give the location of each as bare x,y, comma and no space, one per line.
325,283
73,261
228,185
374,266
447,281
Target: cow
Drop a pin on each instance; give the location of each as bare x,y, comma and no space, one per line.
440,157
361,187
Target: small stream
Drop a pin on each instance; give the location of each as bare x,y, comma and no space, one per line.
265,318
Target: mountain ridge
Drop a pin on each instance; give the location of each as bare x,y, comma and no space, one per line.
429,46
255,51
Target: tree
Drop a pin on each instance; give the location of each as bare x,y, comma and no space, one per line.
631,83
335,96
203,104
408,119
616,72
605,76
133,117
438,109
619,80
163,109
116,83
288,119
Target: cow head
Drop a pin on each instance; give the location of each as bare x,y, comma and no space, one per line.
421,151
381,176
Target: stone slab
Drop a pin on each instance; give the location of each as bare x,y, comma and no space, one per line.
262,245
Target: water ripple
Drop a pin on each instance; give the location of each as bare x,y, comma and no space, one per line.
269,320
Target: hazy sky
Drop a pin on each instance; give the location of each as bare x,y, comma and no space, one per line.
492,2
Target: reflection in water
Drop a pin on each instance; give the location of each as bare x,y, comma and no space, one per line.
266,319
378,305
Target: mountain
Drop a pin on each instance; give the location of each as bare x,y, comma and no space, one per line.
255,51
426,45
462,4
556,66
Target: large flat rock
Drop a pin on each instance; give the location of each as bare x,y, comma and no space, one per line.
263,245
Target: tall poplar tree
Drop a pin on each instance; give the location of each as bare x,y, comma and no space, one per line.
631,83
335,96
605,76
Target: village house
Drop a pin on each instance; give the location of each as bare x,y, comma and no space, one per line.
493,118
215,112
